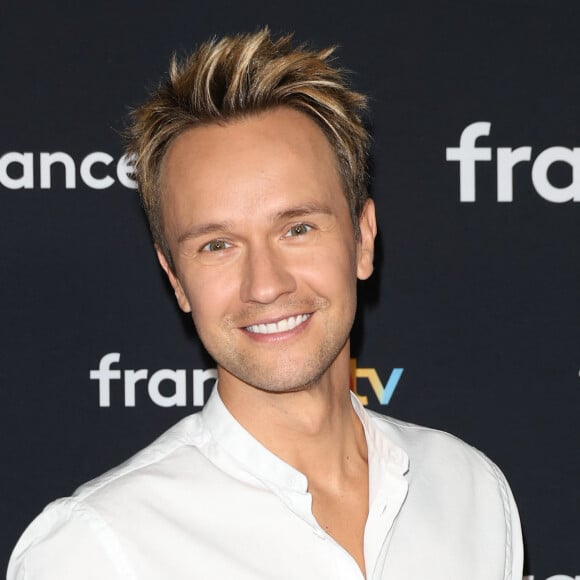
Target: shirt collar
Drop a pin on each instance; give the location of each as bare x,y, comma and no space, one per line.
246,449
394,458
263,464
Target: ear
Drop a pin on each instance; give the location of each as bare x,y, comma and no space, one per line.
174,281
366,242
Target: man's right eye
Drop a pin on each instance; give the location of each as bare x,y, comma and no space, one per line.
215,246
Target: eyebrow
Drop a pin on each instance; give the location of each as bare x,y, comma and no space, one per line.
221,227
204,229
302,210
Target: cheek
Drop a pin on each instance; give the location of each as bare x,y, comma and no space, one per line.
210,294
330,270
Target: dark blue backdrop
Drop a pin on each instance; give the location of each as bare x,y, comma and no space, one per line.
477,301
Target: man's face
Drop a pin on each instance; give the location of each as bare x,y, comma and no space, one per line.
264,250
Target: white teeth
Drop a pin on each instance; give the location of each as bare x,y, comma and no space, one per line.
280,326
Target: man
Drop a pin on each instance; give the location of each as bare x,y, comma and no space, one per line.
251,163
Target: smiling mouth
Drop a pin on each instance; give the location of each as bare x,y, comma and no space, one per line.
280,326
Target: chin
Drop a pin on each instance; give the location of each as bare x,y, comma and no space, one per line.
285,375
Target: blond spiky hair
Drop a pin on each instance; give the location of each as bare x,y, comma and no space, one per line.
230,78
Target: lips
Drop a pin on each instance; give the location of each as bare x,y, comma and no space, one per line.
279,326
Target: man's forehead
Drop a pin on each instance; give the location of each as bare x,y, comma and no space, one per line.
283,130
277,154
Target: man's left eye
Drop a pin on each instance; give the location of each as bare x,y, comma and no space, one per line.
298,230
215,246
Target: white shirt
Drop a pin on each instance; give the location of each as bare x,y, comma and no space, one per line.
207,501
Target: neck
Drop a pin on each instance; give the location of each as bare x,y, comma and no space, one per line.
315,429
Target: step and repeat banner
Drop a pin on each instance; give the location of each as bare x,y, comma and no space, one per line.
471,322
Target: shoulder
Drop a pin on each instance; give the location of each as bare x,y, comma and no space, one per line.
457,489
67,540
162,456
75,537
429,448
448,470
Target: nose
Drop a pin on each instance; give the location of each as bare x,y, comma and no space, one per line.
266,276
